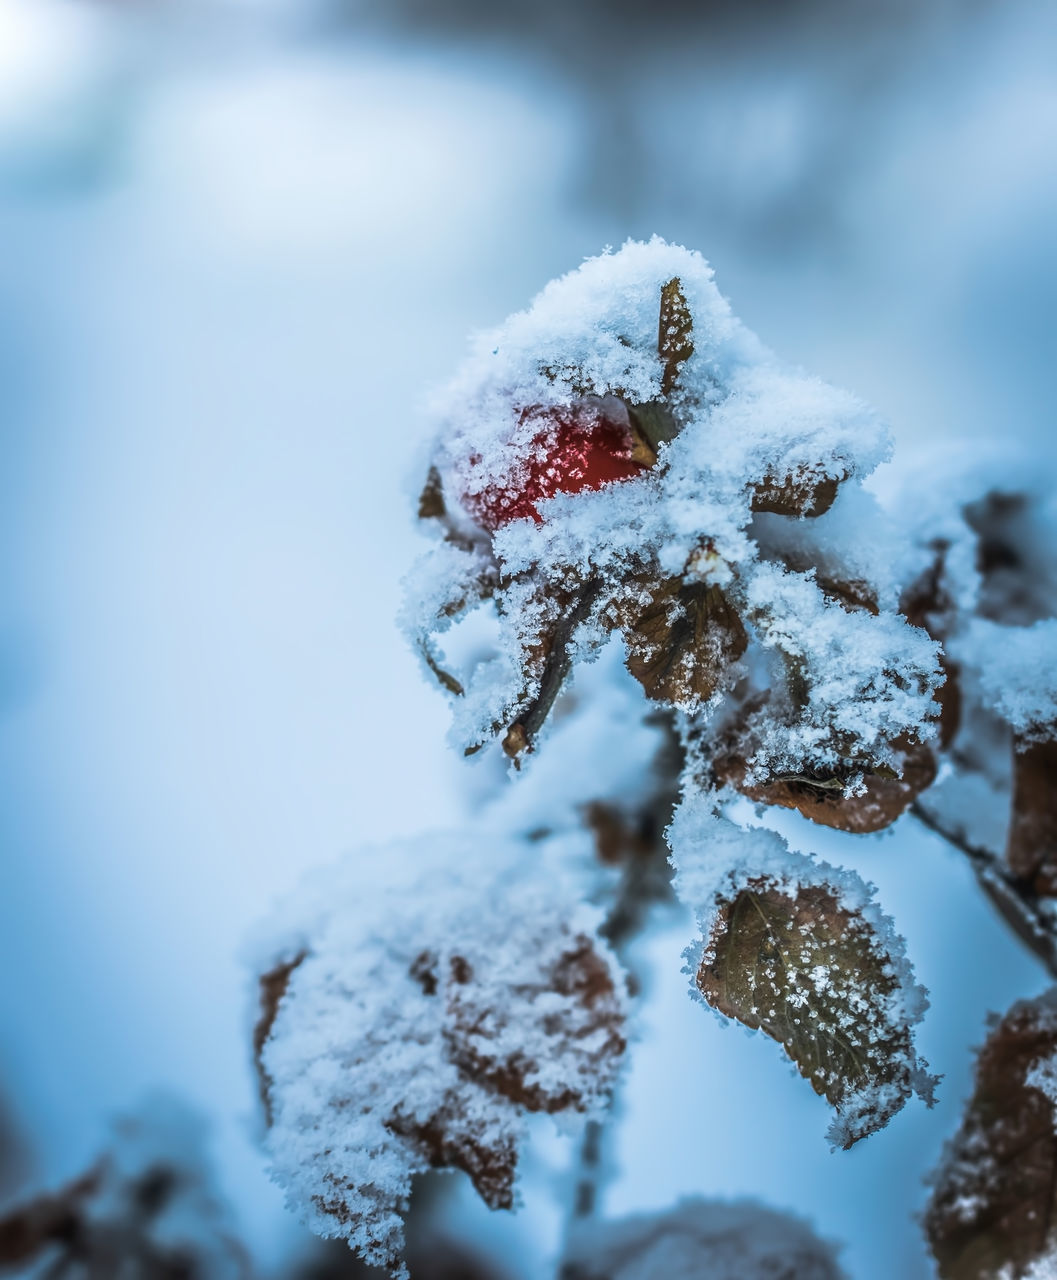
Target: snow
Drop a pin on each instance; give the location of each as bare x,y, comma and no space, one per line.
869,679
440,989
1017,672
591,339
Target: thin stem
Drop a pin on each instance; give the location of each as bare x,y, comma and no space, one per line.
1014,899
586,1200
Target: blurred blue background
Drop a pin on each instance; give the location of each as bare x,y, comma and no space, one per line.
239,241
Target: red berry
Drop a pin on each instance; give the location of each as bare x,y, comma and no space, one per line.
569,454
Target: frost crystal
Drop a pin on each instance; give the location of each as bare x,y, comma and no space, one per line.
415,1005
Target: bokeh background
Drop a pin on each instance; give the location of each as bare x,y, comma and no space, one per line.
239,242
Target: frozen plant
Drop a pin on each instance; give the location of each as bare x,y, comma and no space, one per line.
661,594
145,1210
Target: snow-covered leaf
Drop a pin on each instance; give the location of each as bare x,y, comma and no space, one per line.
798,950
418,1002
993,1211
825,796
675,341
805,492
810,973
683,641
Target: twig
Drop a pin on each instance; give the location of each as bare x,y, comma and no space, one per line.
556,668
1014,899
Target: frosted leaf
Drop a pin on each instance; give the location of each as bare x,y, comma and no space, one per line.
416,1003
994,1198
684,641
735,1240
825,796
806,492
602,720
798,949
675,338
990,518
147,1208
443,587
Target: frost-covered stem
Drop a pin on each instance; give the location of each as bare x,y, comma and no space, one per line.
1014,899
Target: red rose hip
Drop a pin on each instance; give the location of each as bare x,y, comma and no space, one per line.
570,453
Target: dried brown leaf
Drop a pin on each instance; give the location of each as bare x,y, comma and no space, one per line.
444,678
588,1013
271,987
559,612
453,1140
29,1230
927,603
653,422
801,493
822,795
682,643
675,343
145,1210
540,1029
849,593
994,1203
813,974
